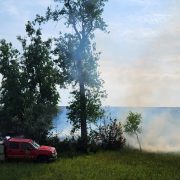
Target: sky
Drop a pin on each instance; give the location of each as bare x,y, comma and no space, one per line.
140,57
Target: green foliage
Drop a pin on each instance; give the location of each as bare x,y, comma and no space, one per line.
132,125
11,91
67,147
108,136
40,78
133,122
28,92
93,106
69,54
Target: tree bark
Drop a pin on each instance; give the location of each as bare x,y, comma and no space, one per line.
83,117
138,142
83,110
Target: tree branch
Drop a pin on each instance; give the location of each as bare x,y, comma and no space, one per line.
67,4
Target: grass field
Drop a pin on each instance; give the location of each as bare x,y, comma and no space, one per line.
125,164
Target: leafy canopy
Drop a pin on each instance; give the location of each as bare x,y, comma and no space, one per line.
133,122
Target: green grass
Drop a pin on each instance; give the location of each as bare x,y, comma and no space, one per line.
126,164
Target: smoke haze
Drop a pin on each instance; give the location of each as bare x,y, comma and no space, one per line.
160,127
161,134
148,74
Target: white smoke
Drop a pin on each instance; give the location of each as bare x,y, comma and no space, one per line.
151,74
161,134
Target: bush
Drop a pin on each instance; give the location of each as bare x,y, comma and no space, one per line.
108,136
69,147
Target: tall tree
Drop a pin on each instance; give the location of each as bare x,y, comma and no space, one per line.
40,78
77,55
28,94
11,99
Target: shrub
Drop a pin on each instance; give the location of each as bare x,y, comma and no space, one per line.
108,136
68,147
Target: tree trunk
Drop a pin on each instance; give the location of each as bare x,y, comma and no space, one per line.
138,142
83,110
83,117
